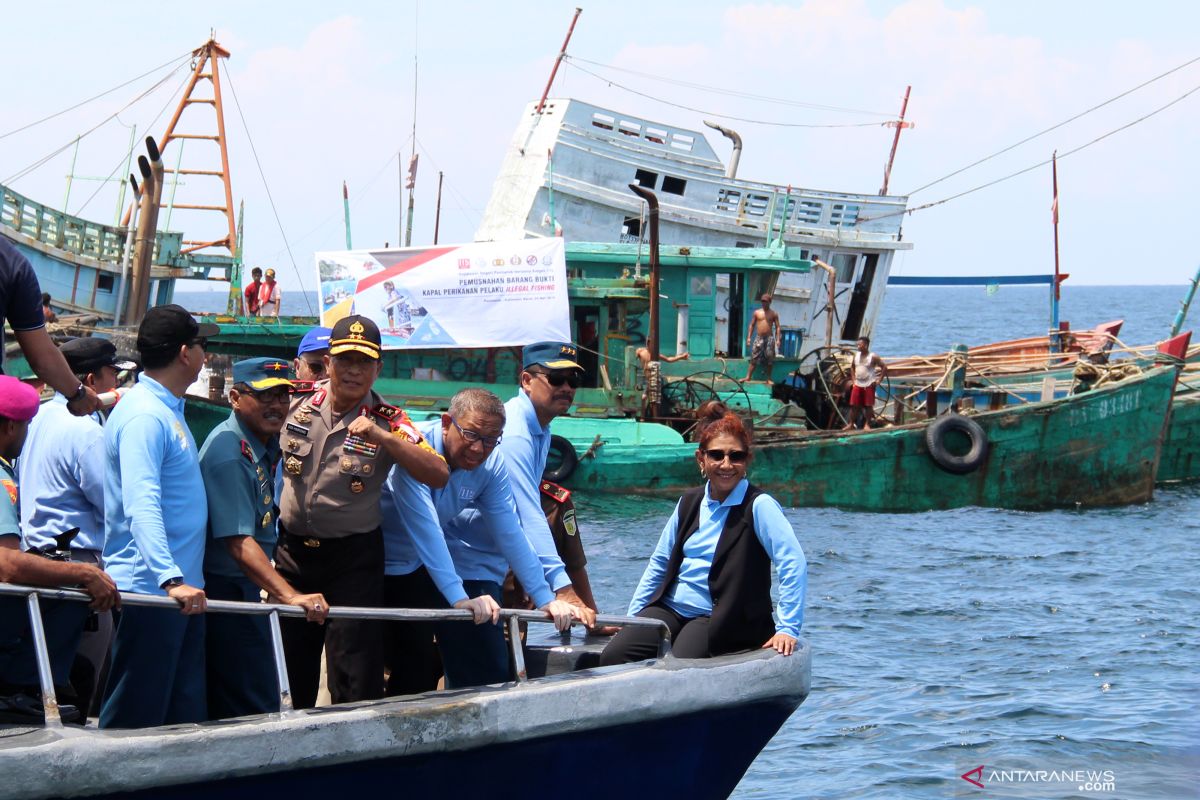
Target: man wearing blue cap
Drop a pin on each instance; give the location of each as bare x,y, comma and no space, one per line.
19,691
237,462
309,363
550,375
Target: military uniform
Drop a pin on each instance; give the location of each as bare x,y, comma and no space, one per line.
240,663
330,539
559,509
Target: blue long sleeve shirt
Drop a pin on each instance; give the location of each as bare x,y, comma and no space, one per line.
526,445
62,477
155,509
467,530
690,596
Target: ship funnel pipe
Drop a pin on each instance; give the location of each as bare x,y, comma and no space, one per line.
733,136
651,220
148,229
143,240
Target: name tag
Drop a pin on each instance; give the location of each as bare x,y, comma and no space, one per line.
299,430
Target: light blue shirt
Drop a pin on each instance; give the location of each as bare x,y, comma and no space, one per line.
239,480
62,477
690,597
155,511
468,530
525,445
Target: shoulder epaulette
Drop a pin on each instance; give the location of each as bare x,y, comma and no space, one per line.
303,387
558,493
388,412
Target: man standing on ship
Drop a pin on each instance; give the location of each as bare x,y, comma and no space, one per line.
269,296
869,371
251,292
762,337
155,518
340,440
549,377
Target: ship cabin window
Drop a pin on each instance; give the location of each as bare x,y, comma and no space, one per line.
632,227
756,204
644,177
743,244
630,128
104,283
682,142
844,215
672,185
656,135
844,264
603,121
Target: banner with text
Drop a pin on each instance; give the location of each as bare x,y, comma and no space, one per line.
486,294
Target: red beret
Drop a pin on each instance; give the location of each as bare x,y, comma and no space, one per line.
18,401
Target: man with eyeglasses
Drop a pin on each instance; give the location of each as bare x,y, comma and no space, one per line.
549,377
309,363
155,519
237,461
450,547
339,442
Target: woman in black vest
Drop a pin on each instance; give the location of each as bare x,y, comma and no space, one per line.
709,579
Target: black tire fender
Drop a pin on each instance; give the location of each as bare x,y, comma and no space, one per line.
567,459
935,441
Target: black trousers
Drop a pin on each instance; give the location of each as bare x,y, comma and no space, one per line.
409,652
349,572
689,638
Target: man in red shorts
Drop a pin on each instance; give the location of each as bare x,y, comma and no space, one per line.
869,370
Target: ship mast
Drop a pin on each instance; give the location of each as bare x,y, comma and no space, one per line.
899,125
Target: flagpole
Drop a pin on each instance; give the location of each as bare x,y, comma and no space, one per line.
1054,295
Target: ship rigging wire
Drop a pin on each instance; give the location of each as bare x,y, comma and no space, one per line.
125,155
1041,163
731,92
46,158
27,126
275,211
1057,126
571,62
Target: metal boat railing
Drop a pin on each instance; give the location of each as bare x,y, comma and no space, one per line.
273,611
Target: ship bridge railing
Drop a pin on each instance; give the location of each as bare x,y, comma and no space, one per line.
512,619
76,235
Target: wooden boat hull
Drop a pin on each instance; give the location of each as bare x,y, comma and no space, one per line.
1181,450
1099,448
520,741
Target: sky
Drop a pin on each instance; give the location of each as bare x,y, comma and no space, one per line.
317,93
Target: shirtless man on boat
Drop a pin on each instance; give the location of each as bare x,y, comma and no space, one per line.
762,337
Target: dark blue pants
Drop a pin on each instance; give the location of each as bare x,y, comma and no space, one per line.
63,622
157,672
409,653
240,662
474,655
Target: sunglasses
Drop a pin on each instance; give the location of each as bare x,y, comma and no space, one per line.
199,341
734,456
278,395
315,367
557,379
472,437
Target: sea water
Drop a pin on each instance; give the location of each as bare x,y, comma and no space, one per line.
1043,655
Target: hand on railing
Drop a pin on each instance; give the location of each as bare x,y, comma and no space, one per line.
782,643
101,588
562,613
191,600
314,605
482,608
